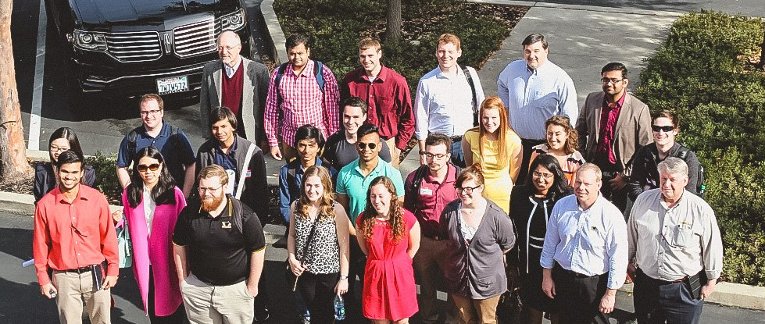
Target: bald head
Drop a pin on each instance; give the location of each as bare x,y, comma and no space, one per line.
229,46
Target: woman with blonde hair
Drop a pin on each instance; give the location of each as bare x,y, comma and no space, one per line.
562,142
389,235
317,244
497,148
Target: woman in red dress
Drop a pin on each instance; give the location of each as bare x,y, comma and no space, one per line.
389,236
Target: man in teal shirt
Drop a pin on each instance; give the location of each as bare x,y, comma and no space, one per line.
352,184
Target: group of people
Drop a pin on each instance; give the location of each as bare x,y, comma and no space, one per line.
575,201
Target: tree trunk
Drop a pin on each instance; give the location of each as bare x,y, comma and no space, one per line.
393,30
762,50
13,161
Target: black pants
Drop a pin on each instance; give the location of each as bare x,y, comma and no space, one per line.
318,291
617,197
579,296
527,145
178,317
357,262
659,301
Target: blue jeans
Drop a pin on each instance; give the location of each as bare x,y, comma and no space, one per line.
458,158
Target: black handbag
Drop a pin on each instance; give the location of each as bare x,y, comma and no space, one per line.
291,278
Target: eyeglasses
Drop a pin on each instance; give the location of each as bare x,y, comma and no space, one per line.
666,129
610,80
437,156
54,148
151,167
204,189
468,190
150,112
228,48
362,145
542,175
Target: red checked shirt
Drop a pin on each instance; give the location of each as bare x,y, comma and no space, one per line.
302,103
74,235
608,117
389,100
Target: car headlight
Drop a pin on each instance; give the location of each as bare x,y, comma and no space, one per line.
233,21
89,41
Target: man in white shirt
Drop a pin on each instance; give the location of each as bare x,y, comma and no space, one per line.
534,89
447,99
584,257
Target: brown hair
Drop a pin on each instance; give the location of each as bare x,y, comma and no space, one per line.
152,96
449,38
369,42
213,170
669,115
491,103
395,213
473,172
326,201
572,143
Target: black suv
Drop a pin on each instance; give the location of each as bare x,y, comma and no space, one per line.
132,47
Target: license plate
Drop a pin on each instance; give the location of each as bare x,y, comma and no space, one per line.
172,84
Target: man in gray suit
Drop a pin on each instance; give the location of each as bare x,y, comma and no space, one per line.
614,125
237,83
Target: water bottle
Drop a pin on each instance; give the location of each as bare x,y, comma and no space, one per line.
339,308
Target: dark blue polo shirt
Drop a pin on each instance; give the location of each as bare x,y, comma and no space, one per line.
177,155
228,162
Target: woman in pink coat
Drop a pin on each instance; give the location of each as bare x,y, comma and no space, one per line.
152,204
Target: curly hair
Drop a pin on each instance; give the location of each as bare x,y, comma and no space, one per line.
572,143
326,202
395,213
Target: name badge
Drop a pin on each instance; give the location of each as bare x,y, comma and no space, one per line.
426,192
248,174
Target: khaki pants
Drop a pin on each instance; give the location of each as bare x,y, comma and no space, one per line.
476,311
74,289
395,153
217,304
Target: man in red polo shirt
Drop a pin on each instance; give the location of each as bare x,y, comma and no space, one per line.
386,94
237,83
75,246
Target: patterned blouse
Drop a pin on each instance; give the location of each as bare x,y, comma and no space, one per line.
323,254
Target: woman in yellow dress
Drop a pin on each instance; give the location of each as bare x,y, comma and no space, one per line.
497,148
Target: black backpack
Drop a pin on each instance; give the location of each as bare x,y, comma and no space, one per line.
420,174
701,186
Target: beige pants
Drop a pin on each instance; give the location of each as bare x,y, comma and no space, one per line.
476,311
75,294
395,153
217,304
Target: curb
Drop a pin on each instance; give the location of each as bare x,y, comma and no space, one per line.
632,11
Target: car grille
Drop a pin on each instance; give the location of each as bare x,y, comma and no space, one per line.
195,39
134,46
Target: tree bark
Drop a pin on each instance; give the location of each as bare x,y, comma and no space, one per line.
393,30
13,161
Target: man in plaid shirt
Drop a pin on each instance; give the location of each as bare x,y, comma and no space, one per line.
299,99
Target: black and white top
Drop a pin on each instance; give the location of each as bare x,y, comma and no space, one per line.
323,253
530,215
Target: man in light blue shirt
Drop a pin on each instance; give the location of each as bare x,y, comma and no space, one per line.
534,89
584,257
447,98
352,184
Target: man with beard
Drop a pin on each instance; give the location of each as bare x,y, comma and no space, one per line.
219,250
340,149
75,246
429,189
613,125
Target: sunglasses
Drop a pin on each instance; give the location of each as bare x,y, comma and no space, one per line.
666,129
150,167
362,145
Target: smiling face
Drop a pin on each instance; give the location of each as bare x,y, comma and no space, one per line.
69,175
535,55
364,147
491,120
369,58
353,117
470,192
447,55
586,187
298,56
672,185
222,131
151,114
542,179
613,83
145,165
57,147
313,188
380,198
662,137
556,137
229,47
308,149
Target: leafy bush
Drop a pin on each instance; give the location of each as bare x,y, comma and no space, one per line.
702,73
106,176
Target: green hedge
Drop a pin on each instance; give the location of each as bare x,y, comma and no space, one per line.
338,25
703,74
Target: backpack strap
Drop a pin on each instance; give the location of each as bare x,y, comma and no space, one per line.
131,144
472,89
236,210
277,81
419,174
319,73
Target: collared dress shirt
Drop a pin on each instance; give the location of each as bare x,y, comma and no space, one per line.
671,243
302,103
444,103
430,199
69,236
608,118
532,97
389,101
589,242
230,70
